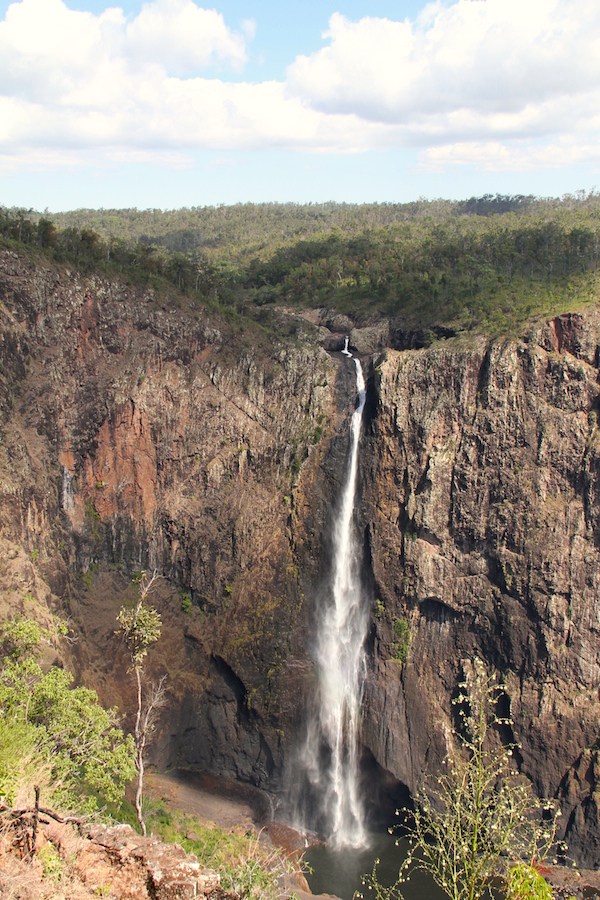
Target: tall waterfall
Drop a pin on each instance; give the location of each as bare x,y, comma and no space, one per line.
330,756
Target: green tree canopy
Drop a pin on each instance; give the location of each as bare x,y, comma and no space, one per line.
46,725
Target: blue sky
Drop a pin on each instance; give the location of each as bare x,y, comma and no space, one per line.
169,103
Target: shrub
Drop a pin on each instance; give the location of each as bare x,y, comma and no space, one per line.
54,733
402,632
52,864
524,882
479,819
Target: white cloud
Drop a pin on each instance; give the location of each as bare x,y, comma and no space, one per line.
492,67
184,38
76,80
491,83
166,159
50,52
519,157
39,160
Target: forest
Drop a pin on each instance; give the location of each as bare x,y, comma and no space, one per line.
487,263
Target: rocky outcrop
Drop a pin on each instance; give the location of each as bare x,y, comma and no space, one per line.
480,481
137,432
107,862
142,868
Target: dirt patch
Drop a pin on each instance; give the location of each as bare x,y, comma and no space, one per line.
233,808
199,796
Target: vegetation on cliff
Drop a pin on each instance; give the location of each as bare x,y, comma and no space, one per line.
54,734
479,819
57,741
486,264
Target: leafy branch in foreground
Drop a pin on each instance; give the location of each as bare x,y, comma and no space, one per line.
140,627
479,819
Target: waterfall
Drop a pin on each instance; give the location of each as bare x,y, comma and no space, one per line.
330,756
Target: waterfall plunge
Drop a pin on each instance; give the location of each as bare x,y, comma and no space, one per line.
330,755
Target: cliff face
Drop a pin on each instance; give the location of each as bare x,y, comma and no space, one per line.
480,503
137,434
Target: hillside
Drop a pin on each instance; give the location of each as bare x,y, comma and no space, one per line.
487,264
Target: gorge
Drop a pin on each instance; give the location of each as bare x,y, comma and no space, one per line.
139,433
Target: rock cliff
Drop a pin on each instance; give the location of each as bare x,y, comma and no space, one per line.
480,506
136,433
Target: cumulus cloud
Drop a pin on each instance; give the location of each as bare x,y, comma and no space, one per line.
495,68
490,83
77,80
183,37
47,48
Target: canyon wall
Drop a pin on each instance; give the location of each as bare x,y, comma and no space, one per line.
137,433
481,508
140,435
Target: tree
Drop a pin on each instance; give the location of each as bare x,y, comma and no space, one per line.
140,627
53,732
480,819
47,233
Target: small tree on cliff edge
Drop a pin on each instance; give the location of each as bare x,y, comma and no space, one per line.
140,627
479,819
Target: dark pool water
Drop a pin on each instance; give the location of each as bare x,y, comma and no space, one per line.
340,872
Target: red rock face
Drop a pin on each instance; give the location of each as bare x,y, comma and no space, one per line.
138,435
569,333
121,477
215,457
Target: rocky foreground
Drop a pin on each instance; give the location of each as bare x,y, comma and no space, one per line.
107,862
82,859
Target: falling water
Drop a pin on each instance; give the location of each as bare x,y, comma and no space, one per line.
330,757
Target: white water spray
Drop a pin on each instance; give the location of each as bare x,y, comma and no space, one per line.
330,757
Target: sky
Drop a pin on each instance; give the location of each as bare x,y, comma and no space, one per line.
170,103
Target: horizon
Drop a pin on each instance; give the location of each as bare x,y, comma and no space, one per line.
578,196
